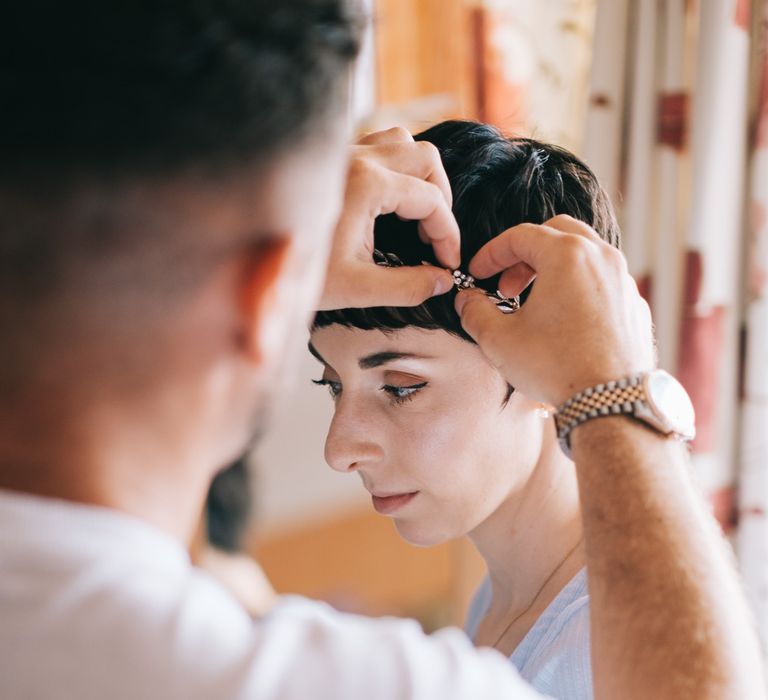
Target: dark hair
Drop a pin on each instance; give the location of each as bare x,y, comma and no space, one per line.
228,506
99,96
497,182
147,85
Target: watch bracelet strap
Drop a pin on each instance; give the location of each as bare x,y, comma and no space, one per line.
621,397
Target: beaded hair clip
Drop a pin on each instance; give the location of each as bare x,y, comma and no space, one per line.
461,280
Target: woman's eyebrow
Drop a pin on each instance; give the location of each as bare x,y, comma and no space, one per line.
378,359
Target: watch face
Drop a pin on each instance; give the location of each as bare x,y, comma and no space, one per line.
670,401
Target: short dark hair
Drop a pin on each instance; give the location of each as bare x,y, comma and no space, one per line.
150,85
101,95
497,182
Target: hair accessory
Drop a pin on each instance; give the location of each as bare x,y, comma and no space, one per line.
461,280
386,259
507,305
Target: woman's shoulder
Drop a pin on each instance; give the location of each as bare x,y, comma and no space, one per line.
570,610
555,655
479,605
558,661
563,629
568,614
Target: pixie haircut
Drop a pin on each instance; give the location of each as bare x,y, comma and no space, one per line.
497,182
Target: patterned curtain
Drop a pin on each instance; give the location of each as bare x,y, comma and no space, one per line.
677,128
753,492
532,66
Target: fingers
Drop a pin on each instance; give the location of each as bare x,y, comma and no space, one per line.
529,244
399,286
567,224
533,246
417,199
382,191
417,158
389,173
491,330
396,134
515,279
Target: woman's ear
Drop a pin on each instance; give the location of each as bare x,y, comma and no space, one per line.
268,306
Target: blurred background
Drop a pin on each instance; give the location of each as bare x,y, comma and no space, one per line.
668,101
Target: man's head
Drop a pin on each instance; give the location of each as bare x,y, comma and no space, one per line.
152,159
435,433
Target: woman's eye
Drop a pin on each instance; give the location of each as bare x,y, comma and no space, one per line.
402,393
334,388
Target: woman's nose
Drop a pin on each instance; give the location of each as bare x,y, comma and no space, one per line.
349,444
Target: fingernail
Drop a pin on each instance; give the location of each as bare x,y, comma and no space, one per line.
443,284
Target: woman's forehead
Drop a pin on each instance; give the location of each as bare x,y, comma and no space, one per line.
340,343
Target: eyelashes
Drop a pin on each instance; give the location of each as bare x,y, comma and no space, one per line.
397,394
334,388
403,394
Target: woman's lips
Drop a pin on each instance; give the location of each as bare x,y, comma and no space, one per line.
389,504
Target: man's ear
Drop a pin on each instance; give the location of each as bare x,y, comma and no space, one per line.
266,299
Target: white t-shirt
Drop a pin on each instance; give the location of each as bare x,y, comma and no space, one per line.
96,605
554,657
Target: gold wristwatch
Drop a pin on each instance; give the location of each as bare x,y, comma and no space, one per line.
654,398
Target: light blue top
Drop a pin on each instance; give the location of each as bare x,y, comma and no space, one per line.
554,655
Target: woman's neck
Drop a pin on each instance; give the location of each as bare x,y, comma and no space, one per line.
532,534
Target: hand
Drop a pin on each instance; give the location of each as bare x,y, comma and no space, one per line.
584,322
390,172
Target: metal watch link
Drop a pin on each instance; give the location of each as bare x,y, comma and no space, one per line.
655,398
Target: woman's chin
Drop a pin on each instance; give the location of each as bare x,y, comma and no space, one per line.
423,534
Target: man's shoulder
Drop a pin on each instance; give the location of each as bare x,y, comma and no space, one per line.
193,640
98,605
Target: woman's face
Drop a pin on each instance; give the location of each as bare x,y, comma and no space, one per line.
420,416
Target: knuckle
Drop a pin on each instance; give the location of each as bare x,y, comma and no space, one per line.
361,168
528,228
616,258
562,219
430,193
429,150
575,247
398,133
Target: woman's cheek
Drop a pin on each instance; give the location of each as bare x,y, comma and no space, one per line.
441,442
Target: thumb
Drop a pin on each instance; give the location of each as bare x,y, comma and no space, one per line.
491,329
401,286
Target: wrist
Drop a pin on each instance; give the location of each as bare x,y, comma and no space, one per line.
587,437
654,399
